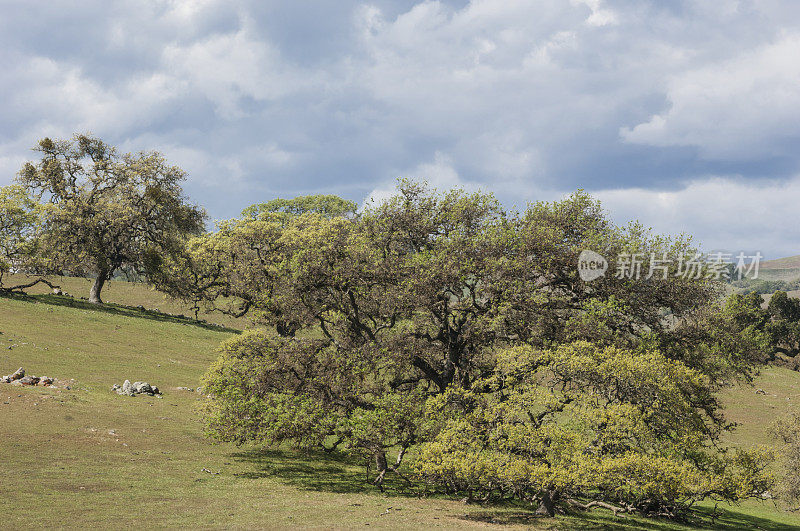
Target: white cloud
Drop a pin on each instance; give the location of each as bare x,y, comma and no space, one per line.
9,166
439,174
226,68
71,101
47,98
600,16
721,213
745,107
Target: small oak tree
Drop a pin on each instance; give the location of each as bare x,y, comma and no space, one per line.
105,211
777,327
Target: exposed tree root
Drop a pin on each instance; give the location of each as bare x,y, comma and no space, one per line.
596,503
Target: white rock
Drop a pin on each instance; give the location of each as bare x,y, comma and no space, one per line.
127,389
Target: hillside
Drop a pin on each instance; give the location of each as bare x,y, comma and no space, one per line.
118,292
85,456
789,262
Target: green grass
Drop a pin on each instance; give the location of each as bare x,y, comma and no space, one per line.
120,293
87,457
789,274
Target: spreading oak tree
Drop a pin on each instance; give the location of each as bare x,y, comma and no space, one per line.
440,322
104,211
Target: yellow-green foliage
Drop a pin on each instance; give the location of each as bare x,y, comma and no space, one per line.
19,217
787,429
242,406
325,205
276,389
581,421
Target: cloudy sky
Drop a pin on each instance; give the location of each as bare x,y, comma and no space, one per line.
684,114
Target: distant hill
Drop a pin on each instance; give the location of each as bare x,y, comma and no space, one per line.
790,262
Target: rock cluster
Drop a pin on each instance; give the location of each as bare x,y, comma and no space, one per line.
20,378
199,390
136,388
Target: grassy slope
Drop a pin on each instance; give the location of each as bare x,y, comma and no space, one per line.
124,293
86,456
789,262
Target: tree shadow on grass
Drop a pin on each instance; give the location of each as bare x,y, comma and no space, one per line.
115,309
703,518
341,473
733,519
333,472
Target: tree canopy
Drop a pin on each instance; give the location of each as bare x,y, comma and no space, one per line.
442,322
325,205
104,211
233,270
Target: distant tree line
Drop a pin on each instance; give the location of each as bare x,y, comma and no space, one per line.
776,324
763,286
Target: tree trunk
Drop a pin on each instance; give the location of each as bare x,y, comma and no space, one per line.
97,286
547,503
382,466
286,328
